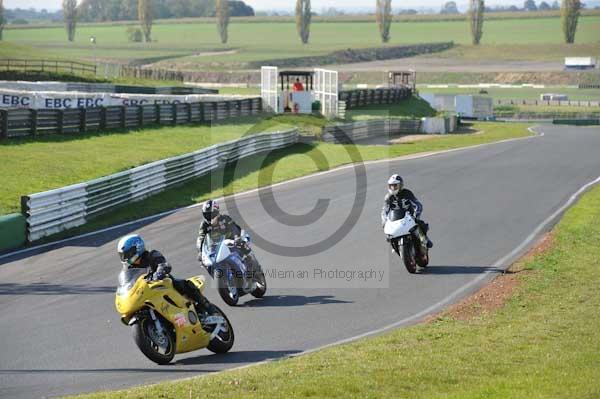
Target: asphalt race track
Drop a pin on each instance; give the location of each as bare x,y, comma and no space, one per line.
60,333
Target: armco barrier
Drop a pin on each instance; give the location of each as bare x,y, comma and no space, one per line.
29,122
54,211
12,231
351,132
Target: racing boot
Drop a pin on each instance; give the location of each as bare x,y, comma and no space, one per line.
202,304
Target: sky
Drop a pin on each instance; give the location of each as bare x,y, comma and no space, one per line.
277,4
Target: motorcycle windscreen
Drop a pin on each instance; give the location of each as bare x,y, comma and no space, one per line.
127,279
396,214
212,243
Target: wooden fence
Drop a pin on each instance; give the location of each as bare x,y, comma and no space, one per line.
29,122
19,65
364,97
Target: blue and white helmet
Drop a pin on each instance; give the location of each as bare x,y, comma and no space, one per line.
130,248
395,184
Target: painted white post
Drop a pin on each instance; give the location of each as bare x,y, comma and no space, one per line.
268,88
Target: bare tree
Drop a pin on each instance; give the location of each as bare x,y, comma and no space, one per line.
223,19
569,12
384,18
476,19
303,17
2,20
70,15
145,18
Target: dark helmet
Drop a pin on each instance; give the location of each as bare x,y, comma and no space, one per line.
395,184
210,210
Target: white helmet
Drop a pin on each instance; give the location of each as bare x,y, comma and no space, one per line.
395,184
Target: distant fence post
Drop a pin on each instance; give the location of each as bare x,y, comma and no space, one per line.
140,115
188,107
82,120
123,117
33,116
102,124
202,113
174,113
61,121
157,111
4,125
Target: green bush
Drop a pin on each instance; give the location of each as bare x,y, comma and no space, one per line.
135,35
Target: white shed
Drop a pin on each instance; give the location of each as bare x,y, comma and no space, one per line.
478,107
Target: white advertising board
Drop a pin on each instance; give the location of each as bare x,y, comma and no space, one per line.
70,100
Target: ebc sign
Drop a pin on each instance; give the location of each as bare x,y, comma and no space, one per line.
53,101
15,100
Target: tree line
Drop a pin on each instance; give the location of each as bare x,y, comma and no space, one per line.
127,10
570,11
450,7
145,11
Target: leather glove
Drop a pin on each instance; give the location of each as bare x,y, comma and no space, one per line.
162,271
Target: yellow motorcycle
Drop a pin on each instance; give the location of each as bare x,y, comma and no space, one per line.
166,323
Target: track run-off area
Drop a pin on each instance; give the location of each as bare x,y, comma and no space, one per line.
61,334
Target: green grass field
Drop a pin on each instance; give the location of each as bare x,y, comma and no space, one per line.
543,343
182,44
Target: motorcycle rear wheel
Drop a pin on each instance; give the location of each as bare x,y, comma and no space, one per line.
225,343
142,335
261,285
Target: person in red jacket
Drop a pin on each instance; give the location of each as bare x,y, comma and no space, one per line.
298,86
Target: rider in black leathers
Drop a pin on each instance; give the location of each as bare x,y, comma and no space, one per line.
217,225
399,197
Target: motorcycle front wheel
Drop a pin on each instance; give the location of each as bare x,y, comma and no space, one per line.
423,258
223,341
409,256
227,288
158,347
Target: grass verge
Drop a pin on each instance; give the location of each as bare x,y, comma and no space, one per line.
543,343
47,162
411,108
288,163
